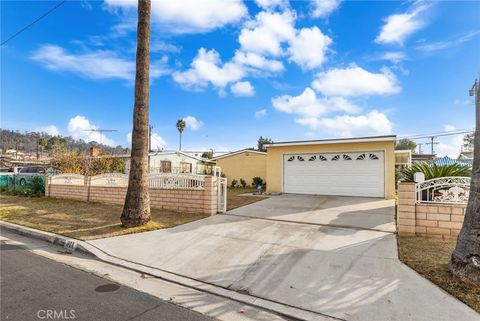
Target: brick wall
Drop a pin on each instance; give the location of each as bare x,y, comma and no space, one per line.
192,201
427,219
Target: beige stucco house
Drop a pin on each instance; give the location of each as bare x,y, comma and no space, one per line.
245,163
363,166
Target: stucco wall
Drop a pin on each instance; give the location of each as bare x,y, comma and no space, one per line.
246,165
275,160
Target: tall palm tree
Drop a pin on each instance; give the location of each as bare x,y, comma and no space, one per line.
181,126
465,262
136,210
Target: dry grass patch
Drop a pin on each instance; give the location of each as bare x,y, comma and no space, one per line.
235,199
431,257
79,219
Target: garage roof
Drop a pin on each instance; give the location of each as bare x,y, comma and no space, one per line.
385,138
239,152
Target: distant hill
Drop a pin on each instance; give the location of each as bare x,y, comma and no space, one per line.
27,142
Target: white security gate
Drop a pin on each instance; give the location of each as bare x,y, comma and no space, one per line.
343,173
221,194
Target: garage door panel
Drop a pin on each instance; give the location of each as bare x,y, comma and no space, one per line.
348,173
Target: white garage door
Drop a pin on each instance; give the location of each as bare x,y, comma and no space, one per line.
347,173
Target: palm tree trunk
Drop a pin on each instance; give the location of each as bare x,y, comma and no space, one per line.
136,210
465,262
180,147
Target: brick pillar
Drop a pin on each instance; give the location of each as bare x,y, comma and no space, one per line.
406,209
210,195
48,184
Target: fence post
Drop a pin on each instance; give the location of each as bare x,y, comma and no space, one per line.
406,209
87,181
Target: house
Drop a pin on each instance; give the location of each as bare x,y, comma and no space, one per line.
245,163
174,162
420,157
362,166
403,158
466,157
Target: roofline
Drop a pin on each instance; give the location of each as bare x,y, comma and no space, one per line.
239,152
385,138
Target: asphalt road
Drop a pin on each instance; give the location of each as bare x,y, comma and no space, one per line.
36,288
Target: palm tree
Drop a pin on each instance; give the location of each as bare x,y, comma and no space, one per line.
465,261
181,126
136,210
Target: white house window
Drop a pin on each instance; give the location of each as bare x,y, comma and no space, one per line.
312,158
300,158
185,167
291,159
336,157
361,157
346,157
373,157
322,158
165,166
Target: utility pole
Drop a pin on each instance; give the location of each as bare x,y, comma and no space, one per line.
38,143
419,148
432,143
150,129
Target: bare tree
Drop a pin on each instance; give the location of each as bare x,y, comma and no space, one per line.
136,210
465,262
181,126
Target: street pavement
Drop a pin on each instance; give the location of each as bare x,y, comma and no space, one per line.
36,288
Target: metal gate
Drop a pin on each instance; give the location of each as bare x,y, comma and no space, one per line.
221,194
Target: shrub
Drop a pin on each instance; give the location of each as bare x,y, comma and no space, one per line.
257,181
432,170
243,182
233,183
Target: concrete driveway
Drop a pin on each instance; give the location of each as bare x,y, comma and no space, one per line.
291,249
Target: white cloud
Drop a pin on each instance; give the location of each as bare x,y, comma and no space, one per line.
440,45
308,107
323,8
449,145
465,102
79,127
372,123
193,123
206,68
271,4
158,143
99,64
256,61
242,88
355,81
52,130
308,48
398,27
260,113
393,56
190,16
265,34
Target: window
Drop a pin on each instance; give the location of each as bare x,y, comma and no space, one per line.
322,158
312,158
165,166
346,157
336,157
361,157
300,159
185,167
291,159
373,156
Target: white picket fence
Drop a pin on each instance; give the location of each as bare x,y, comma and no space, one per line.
162,180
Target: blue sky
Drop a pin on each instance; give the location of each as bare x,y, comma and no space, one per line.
237,70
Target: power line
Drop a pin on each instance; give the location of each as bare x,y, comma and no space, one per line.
444,133
33,22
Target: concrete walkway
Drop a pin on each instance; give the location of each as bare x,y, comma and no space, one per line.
351,273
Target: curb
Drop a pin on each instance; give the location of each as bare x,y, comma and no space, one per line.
278,308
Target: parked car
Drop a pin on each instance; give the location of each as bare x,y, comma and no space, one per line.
27,173
6,170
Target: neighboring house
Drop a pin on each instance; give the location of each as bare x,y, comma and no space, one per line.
446,161
465,157
350,167
423,157
174,162
245,163
403,158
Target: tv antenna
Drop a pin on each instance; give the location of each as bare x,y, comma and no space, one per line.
99,130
